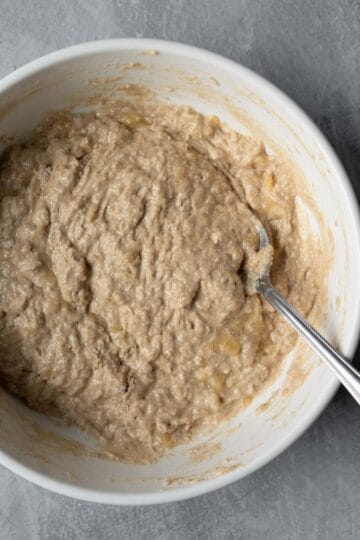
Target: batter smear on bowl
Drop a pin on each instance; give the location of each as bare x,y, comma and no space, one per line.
125,234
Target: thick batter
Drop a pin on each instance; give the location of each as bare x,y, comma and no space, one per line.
126,236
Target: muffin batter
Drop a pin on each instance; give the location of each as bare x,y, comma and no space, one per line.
126,235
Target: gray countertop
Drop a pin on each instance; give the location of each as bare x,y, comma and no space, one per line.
311,50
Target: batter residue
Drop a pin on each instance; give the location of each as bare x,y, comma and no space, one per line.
125,236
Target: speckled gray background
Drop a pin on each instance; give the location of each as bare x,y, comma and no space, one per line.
310,49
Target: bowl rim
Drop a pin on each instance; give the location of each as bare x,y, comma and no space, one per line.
216,60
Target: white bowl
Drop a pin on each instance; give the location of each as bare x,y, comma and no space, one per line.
31,445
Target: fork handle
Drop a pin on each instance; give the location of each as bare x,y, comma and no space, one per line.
346,374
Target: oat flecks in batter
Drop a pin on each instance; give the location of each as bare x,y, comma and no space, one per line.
124,235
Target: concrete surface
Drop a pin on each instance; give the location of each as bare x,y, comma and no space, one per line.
312,51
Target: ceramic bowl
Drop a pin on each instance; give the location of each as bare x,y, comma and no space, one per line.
61,458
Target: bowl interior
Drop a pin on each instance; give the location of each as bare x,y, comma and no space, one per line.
64,459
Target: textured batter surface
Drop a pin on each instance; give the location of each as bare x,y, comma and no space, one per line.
126,236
